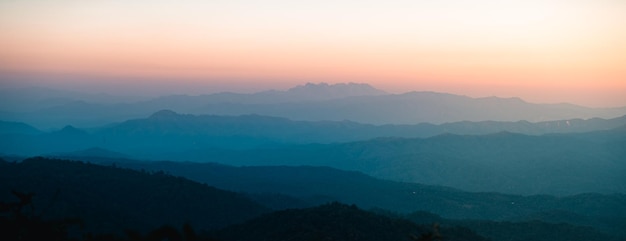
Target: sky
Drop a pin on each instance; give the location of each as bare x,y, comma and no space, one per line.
544,51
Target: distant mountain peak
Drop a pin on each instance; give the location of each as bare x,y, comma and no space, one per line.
163,114
69,128
70,131
509,100
7,127
336,90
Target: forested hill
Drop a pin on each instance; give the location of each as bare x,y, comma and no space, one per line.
111,199
338,222
273,185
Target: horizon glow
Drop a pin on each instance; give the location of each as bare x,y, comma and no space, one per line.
542,51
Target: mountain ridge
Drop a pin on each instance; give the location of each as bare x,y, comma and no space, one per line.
310,102
310,183
391,152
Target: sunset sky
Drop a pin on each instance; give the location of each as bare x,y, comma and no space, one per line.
543,51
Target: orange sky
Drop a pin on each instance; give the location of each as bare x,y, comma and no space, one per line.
543,51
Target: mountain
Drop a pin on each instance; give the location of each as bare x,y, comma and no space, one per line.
170,131
311,102
323,91
47,108
33,98
336,222
12,128
560,164
68,139
51,108
110,199
557,163
310,186
530,128
412,108
253,130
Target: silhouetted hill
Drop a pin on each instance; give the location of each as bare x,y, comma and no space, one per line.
70,132
165,115
111,199
316,185
8,128
68,139
336,222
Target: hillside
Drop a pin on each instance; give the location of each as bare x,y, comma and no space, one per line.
337,222
8,127
558,164
273,185
111,199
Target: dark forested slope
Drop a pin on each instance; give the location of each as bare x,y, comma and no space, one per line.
111,199
315,185
338,222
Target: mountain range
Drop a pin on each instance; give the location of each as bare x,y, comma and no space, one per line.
504,162
167,128
245,166
288,187
311,102
492,159
107,198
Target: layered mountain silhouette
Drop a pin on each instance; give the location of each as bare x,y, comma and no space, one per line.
250,131
304,186
504,162
501,161
108,200
279,129
8,128
505,168
311,102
